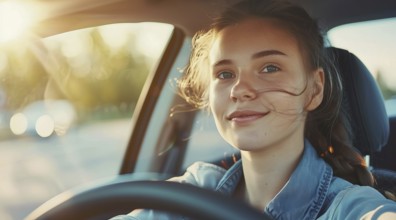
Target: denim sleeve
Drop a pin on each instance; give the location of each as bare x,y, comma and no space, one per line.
360,202
198,174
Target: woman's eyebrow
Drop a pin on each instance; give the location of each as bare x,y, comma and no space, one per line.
254,56
267,53
222,62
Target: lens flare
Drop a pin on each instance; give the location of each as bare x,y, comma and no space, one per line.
15,19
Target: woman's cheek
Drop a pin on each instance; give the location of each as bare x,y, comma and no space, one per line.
285,104
218,97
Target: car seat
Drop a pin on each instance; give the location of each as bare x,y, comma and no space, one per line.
384,163
368,117
386,158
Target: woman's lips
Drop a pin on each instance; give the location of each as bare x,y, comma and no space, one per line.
245,116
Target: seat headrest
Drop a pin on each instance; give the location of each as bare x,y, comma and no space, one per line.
363,101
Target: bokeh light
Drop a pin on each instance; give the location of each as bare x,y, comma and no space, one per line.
45,126
18,123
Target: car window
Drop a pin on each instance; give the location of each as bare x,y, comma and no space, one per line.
66,106
206,144
373,42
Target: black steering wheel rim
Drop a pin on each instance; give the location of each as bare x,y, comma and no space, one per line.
120,197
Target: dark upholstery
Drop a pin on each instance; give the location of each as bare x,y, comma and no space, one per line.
386,158
364,101
385,180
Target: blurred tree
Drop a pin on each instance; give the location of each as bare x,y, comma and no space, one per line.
115,78
80,67
387,92
23,79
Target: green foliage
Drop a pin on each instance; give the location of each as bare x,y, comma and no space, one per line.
99,79
24,79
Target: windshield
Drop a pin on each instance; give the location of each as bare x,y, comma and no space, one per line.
66,106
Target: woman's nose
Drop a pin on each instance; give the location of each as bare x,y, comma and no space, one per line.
243,90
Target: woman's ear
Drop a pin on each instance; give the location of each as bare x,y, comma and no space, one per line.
317,89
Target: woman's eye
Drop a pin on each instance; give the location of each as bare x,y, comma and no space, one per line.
270,69
225,75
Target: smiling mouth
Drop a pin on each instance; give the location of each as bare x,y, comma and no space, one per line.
245,116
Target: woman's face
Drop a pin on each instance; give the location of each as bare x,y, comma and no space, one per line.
260,90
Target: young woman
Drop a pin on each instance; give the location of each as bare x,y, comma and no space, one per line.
262,72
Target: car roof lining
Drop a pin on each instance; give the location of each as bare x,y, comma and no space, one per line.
189,15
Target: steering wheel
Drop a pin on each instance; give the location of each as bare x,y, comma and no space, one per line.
122,195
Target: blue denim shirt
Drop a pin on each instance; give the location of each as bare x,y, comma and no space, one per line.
312,192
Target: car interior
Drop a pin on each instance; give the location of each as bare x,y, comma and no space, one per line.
164,134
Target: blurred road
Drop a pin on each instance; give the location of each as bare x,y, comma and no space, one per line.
34,169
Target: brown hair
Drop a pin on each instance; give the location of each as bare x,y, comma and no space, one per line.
327,127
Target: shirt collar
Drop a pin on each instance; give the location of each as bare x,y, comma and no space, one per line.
305,192
301,197
230,180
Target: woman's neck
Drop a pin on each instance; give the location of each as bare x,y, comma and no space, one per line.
267,171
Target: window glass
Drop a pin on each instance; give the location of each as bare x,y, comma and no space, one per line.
374,43
206,144
66,104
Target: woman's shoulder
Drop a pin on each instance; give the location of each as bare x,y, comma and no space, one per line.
201,174
357,202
